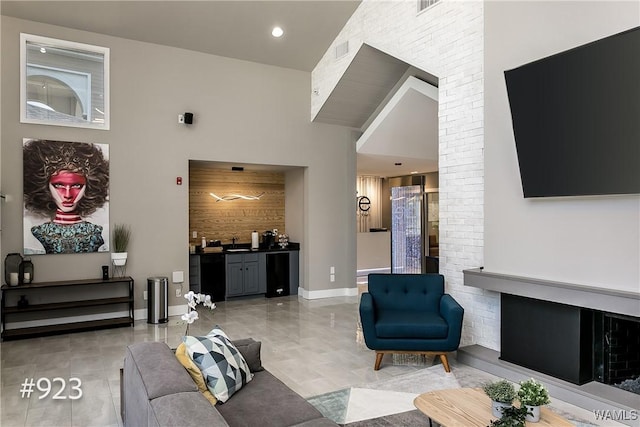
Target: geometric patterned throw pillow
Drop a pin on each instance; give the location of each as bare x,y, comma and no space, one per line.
224,369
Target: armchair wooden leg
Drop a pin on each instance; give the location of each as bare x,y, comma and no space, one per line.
445,362
443,357
378,361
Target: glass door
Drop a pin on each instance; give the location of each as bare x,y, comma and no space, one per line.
407,213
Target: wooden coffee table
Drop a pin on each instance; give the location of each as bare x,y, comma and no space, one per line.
471,407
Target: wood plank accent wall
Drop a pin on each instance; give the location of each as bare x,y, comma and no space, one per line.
222,220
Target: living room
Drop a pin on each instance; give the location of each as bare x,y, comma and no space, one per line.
254,113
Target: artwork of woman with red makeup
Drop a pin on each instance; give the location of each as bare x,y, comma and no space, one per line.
65,183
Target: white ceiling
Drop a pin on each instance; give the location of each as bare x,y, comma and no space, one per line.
395,105
405,130
241,29
368,79
236,29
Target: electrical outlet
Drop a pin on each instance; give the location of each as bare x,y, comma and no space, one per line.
332,270
178,291
194,235
332,277
181,118
144,295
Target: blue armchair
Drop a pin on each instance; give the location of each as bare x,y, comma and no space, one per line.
410,313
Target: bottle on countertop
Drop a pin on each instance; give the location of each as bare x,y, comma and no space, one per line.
204,242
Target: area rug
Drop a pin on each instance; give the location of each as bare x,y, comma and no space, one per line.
389,402
378,400
413,418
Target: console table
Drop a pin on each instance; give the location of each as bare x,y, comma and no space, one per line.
66,306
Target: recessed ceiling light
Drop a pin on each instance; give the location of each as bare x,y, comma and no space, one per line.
277,32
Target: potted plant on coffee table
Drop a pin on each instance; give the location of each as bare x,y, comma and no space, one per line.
121,236
501,393
532,394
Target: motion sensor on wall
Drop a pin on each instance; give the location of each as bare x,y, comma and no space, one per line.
186,118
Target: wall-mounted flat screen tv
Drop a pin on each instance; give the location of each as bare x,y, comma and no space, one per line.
576,119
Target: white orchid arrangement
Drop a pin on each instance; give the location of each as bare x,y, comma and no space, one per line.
193,300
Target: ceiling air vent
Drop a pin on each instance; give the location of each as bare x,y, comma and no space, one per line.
342,49
425,4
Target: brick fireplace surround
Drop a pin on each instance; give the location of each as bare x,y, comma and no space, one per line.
602,308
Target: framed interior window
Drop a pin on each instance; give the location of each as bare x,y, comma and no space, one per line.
63,83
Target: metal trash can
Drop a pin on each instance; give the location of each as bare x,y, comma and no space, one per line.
157,299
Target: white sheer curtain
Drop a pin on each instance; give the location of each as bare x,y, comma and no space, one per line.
371,188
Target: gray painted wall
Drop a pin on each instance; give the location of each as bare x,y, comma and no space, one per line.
244,112
583,240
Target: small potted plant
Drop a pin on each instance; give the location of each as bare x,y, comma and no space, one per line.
121,237
501,393
532,394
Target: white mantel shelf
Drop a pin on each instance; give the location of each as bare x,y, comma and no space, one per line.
609,300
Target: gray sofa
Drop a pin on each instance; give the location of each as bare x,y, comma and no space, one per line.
158,391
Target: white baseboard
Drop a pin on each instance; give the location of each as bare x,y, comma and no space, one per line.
179,310
328,293
174,310
367,271
67,319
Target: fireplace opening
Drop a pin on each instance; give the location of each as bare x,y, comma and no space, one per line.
571,343
617,353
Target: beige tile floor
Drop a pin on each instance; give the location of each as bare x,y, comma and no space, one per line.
310,345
